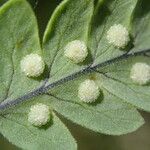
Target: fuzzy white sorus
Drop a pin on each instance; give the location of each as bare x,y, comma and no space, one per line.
76,51
39,114
88,91
118,36
32,65
140,73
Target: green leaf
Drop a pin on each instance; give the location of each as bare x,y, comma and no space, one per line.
109,115
15,126
108,13
116,79
56,37
141,26
19,37
70,21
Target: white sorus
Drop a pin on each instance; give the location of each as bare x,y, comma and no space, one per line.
140,73
32,65
118,35
76,51
39,114
88,91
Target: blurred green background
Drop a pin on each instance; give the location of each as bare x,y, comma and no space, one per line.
86,139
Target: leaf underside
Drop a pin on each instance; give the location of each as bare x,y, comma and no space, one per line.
114,112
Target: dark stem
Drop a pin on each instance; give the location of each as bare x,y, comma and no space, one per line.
44,88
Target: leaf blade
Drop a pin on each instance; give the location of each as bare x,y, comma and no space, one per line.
17,20
141,25
118,75
70,21
21,38
114,12
109,115
18,131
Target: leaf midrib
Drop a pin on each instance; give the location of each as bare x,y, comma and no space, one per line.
44,88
